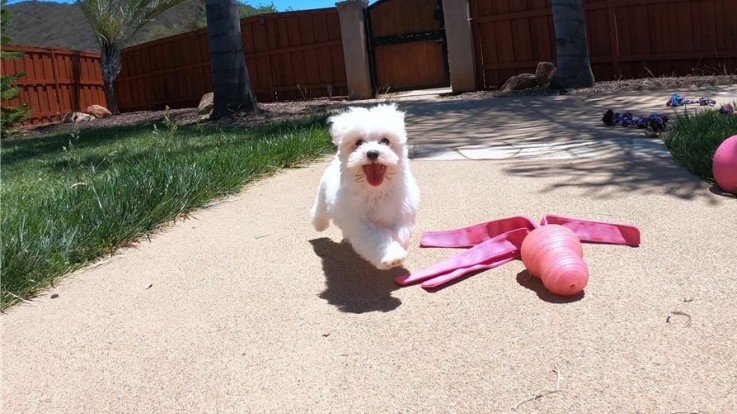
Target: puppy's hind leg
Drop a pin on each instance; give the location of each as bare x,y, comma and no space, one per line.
319,216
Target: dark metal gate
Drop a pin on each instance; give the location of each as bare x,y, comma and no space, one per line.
407,45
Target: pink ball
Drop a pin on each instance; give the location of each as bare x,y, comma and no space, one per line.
724,166
554,254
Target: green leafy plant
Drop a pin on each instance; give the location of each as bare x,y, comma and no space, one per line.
114,23
10,116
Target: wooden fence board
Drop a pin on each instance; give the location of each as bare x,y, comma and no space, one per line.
627,38
297,55
56,81
407,46
280,51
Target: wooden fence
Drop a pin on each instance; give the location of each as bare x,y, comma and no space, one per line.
299,55
627,38
56,81
407,44
292,55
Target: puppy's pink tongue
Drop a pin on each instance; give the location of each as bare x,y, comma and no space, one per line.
374,173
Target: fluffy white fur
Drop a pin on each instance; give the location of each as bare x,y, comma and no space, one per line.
376,219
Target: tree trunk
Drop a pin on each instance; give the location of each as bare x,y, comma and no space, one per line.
573,68
111,66
231,85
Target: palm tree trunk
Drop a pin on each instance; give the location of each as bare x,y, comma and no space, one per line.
111,66
231,85
573,64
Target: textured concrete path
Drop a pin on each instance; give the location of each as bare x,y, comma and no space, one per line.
245,308
552,128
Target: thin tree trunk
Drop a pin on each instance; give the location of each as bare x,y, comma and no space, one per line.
231,85
111,66
573,67
111,98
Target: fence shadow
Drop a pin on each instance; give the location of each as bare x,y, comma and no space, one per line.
353,285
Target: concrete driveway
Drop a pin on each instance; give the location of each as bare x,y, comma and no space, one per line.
245,308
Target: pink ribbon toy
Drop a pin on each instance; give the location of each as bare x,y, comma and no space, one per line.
497,242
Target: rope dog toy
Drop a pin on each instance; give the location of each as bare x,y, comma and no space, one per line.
547,253
678,100
655,121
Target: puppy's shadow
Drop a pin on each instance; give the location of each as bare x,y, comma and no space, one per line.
354,285
525,279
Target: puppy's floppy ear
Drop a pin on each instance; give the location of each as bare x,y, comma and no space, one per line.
337,126
342,124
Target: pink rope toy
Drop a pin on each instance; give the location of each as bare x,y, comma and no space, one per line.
549,250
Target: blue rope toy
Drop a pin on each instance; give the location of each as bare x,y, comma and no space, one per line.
655,122
678,100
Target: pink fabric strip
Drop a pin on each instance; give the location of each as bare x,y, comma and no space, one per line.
492,252
476,234
597,231
497,242
459,273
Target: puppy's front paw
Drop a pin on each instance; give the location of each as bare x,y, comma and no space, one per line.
320,221
393,257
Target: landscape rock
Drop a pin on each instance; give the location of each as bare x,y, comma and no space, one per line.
77,117
206,104
544,73
98,111
521,81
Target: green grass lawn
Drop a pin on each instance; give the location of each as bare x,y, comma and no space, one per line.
68,199
694,138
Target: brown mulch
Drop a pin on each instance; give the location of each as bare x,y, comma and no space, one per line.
280,111
668,85
268,113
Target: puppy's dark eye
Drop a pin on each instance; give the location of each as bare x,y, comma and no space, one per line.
384,141
360,142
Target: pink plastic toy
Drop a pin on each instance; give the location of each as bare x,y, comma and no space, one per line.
554,254
724,166
497,242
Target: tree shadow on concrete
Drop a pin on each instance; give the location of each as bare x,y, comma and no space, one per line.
354,285
545,119
611,177
440,125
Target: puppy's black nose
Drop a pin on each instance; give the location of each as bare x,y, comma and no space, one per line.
373,155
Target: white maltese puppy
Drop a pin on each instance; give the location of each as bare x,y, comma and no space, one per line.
368,190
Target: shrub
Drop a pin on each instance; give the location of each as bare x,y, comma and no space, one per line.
694,139
10,115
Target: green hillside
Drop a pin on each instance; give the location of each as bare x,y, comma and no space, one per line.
47,24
